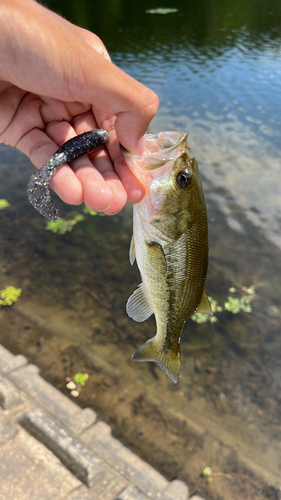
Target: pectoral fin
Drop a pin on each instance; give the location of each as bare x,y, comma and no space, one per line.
205,306
138,307
132,253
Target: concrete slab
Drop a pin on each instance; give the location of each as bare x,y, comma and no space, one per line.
29,471
72,454
130,494
9,395
50,449
123,461
51,400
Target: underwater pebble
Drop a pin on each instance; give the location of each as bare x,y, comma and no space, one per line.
71,385
74,394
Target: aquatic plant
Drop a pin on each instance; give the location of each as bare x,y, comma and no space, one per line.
232,304
89,211
4,204
9,295
203,318
208,480
62,226
81,378
237,304
207,471
75,384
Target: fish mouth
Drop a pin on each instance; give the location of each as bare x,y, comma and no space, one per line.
160,150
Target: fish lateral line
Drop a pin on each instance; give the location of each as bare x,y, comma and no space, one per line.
38,188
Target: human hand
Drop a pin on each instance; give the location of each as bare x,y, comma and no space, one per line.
57,81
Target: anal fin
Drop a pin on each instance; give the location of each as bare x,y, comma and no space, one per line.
204,306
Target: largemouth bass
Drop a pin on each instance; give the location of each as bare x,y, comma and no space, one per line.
170,245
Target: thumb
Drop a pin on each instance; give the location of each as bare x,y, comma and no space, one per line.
114,93
132,124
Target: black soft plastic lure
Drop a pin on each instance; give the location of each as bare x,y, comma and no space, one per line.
38,188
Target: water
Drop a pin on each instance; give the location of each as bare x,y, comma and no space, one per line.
216,68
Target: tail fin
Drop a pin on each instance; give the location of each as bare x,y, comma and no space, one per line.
168,361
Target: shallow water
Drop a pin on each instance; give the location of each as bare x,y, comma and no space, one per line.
217,71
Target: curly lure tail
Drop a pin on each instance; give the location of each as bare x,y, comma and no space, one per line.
38,188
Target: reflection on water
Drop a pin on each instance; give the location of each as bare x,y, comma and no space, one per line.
217,69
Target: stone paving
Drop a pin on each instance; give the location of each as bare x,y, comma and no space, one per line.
51,449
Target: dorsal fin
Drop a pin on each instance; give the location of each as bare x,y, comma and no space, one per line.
138,307
204,306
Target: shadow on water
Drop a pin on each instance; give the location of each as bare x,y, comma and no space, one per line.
216,68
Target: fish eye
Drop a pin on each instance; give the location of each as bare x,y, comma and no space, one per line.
184,178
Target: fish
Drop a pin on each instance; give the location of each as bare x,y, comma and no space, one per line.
38,188
169,244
